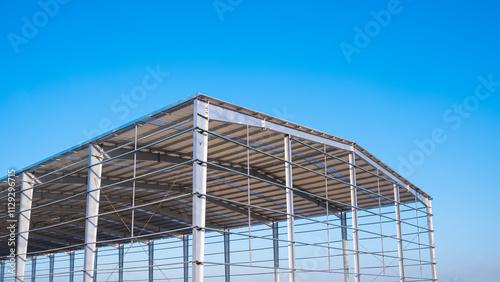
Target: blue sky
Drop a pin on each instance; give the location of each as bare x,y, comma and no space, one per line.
65,75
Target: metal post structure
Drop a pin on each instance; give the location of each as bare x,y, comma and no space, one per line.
200,151
432,247
33,269
185,254
151,253
133,187
92,210
51,268
276,252
72,266
227,260
95,263
399,234
152,192
354,213
289,208
28,180
2,270
345,252
121,260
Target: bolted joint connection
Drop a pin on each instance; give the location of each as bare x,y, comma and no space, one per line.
199,130
197,228
197,194
99,157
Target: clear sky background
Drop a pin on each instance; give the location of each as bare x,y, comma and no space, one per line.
429,74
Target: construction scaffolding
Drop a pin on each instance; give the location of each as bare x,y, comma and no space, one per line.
204,190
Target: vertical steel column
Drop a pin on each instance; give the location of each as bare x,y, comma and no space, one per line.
33,269
28,180
92,210
276,252
72,266
133,187
380,219
151,250
121,259
185,248
354,211
399,233
95,263
432,247
289,208
418,235
249,202
2,271
227,261
51,268
345,247
200,148
325,163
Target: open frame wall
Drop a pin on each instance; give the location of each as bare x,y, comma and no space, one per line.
204,190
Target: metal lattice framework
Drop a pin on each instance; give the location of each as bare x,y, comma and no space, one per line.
204,190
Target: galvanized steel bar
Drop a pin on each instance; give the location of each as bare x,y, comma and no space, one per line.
418,236
185,249
151,254
354,211
345,246
133,184
325,164
432,247
249,201
51,268
121,260
72,266
227,260
28,180
2,270
33,269
276,252
290,209
381,228
200,150
92,210
399,234
95,263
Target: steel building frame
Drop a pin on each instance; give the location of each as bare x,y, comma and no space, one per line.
204,190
